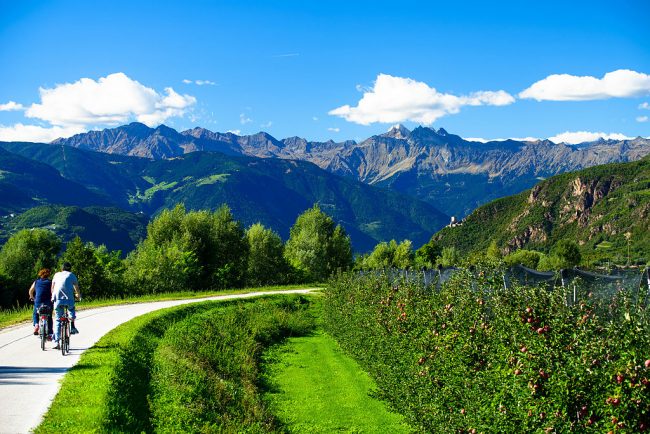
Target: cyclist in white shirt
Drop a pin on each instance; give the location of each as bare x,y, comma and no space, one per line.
65,288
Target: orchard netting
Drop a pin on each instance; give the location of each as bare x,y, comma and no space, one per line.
577,284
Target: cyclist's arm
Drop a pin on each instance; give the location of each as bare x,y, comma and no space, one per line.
32,291
53,297
77,293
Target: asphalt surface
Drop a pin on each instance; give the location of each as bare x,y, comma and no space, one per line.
30,378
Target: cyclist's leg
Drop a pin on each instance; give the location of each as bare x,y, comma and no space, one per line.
50,328
73,316
58,310
35,319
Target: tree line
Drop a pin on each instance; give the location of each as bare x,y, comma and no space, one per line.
564,254
183,250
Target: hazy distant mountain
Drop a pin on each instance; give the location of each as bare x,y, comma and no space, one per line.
453,174
272,191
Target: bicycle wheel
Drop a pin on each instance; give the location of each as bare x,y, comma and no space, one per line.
43,332
67,337
62,337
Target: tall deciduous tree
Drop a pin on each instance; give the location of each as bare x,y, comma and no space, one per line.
317,246
266,261
189,251
93,281
21,257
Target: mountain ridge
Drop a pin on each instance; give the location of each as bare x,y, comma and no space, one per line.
441,168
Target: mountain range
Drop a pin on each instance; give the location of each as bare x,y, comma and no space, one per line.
453,174
267,190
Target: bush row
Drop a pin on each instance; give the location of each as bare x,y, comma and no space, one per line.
475,357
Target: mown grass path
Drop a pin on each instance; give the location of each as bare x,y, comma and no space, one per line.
315,388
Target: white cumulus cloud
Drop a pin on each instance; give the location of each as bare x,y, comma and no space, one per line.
334,130
622,83
644,106
235,132
267,124
11,106
398,99
200,82
575,137
71,108
35,133
642,119
243,119
111,100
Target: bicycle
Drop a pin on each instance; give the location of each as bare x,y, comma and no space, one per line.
44,313
64,332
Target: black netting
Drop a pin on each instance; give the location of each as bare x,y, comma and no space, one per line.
575,283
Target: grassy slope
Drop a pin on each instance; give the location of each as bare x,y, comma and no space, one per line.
316,388
623,209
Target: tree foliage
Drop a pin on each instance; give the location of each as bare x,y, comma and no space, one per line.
317,247
527,258
428,255
92,275
189,251
21,257
389,255
266,261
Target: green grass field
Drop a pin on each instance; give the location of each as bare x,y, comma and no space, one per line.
315,388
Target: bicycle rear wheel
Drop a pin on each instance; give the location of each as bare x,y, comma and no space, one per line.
62,338
43,332
67,337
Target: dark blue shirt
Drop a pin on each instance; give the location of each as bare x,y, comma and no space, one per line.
43,289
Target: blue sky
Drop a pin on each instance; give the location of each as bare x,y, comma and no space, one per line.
292,67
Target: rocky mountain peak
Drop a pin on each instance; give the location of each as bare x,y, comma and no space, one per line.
397,131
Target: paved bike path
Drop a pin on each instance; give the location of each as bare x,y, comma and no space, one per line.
30,378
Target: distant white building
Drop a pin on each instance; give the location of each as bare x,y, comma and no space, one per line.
453,223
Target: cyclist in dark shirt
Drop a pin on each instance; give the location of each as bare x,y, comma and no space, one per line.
41,293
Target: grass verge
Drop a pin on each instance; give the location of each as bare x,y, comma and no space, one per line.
183,369
315,388
18,315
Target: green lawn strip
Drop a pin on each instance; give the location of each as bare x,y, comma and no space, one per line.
14,316
315,388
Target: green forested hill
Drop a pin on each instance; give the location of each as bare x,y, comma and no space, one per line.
605,209
271,191
26,183
116,228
